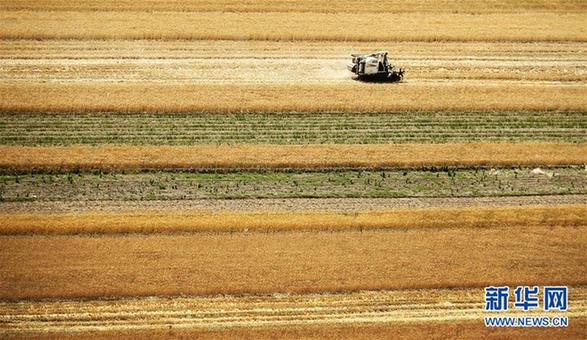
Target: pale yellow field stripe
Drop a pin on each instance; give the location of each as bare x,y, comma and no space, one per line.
349,97
164,222
363,307
314,156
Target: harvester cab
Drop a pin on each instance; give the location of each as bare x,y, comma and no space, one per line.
375,67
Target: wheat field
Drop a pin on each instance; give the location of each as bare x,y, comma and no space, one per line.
210,169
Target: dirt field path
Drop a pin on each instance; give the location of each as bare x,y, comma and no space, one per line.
285,204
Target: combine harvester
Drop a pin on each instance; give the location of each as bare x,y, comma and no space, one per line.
375,67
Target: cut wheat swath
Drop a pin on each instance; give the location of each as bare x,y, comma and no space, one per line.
312,156
152,222
257,311
318,70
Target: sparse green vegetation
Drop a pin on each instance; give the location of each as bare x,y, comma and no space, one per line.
331,184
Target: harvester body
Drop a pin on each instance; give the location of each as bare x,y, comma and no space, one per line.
374,66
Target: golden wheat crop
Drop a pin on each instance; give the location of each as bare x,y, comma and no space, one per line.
151,222
204,264
152,97
276,26
105,157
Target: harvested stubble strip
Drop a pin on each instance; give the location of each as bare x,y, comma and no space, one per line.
435,218
235,157
255,311
173,98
